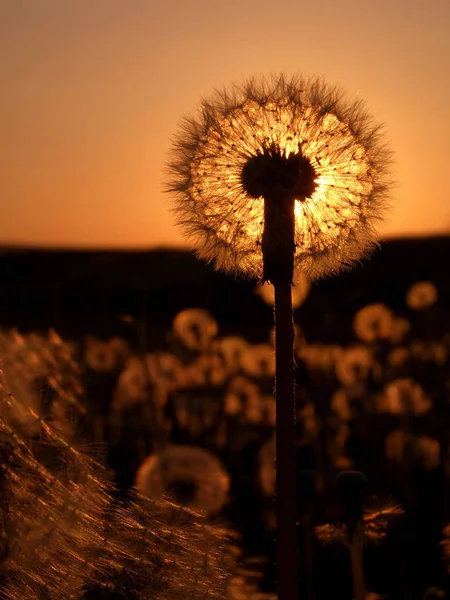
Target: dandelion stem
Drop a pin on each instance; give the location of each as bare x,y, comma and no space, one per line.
286,503
356,557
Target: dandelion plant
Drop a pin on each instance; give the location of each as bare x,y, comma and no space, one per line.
276,177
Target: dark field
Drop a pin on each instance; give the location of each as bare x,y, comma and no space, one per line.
133,373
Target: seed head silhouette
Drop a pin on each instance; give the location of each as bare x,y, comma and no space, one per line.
272,137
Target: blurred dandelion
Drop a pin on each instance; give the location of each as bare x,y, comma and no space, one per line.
305,137
354,364
403,396
421,295
230,349
258,360
340,404
42,371
105,356
195,327
191,476
243,398
400,327
267,474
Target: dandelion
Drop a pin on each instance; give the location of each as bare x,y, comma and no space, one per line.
373,322
105,356
280,177
41,370
188,475
352,484
400,327
354,364
195,327
421,295
403,396
267,474
445,543
258,360
404,447
132,385
300,291
320,357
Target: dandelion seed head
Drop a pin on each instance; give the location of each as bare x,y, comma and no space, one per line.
373,322
294,136
190,472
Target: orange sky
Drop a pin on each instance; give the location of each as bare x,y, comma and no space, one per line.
92,90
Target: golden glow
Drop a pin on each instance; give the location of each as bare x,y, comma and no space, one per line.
342,165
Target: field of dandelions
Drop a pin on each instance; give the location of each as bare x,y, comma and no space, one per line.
132,469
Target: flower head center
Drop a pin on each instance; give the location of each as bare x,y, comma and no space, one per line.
270,172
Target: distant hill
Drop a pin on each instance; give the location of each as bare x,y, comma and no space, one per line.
80,292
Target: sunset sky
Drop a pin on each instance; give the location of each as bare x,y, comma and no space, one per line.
93,90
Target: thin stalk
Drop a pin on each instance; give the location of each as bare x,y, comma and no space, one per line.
286,497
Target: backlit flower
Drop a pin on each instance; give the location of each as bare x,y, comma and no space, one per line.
421,295
188,475
290,134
